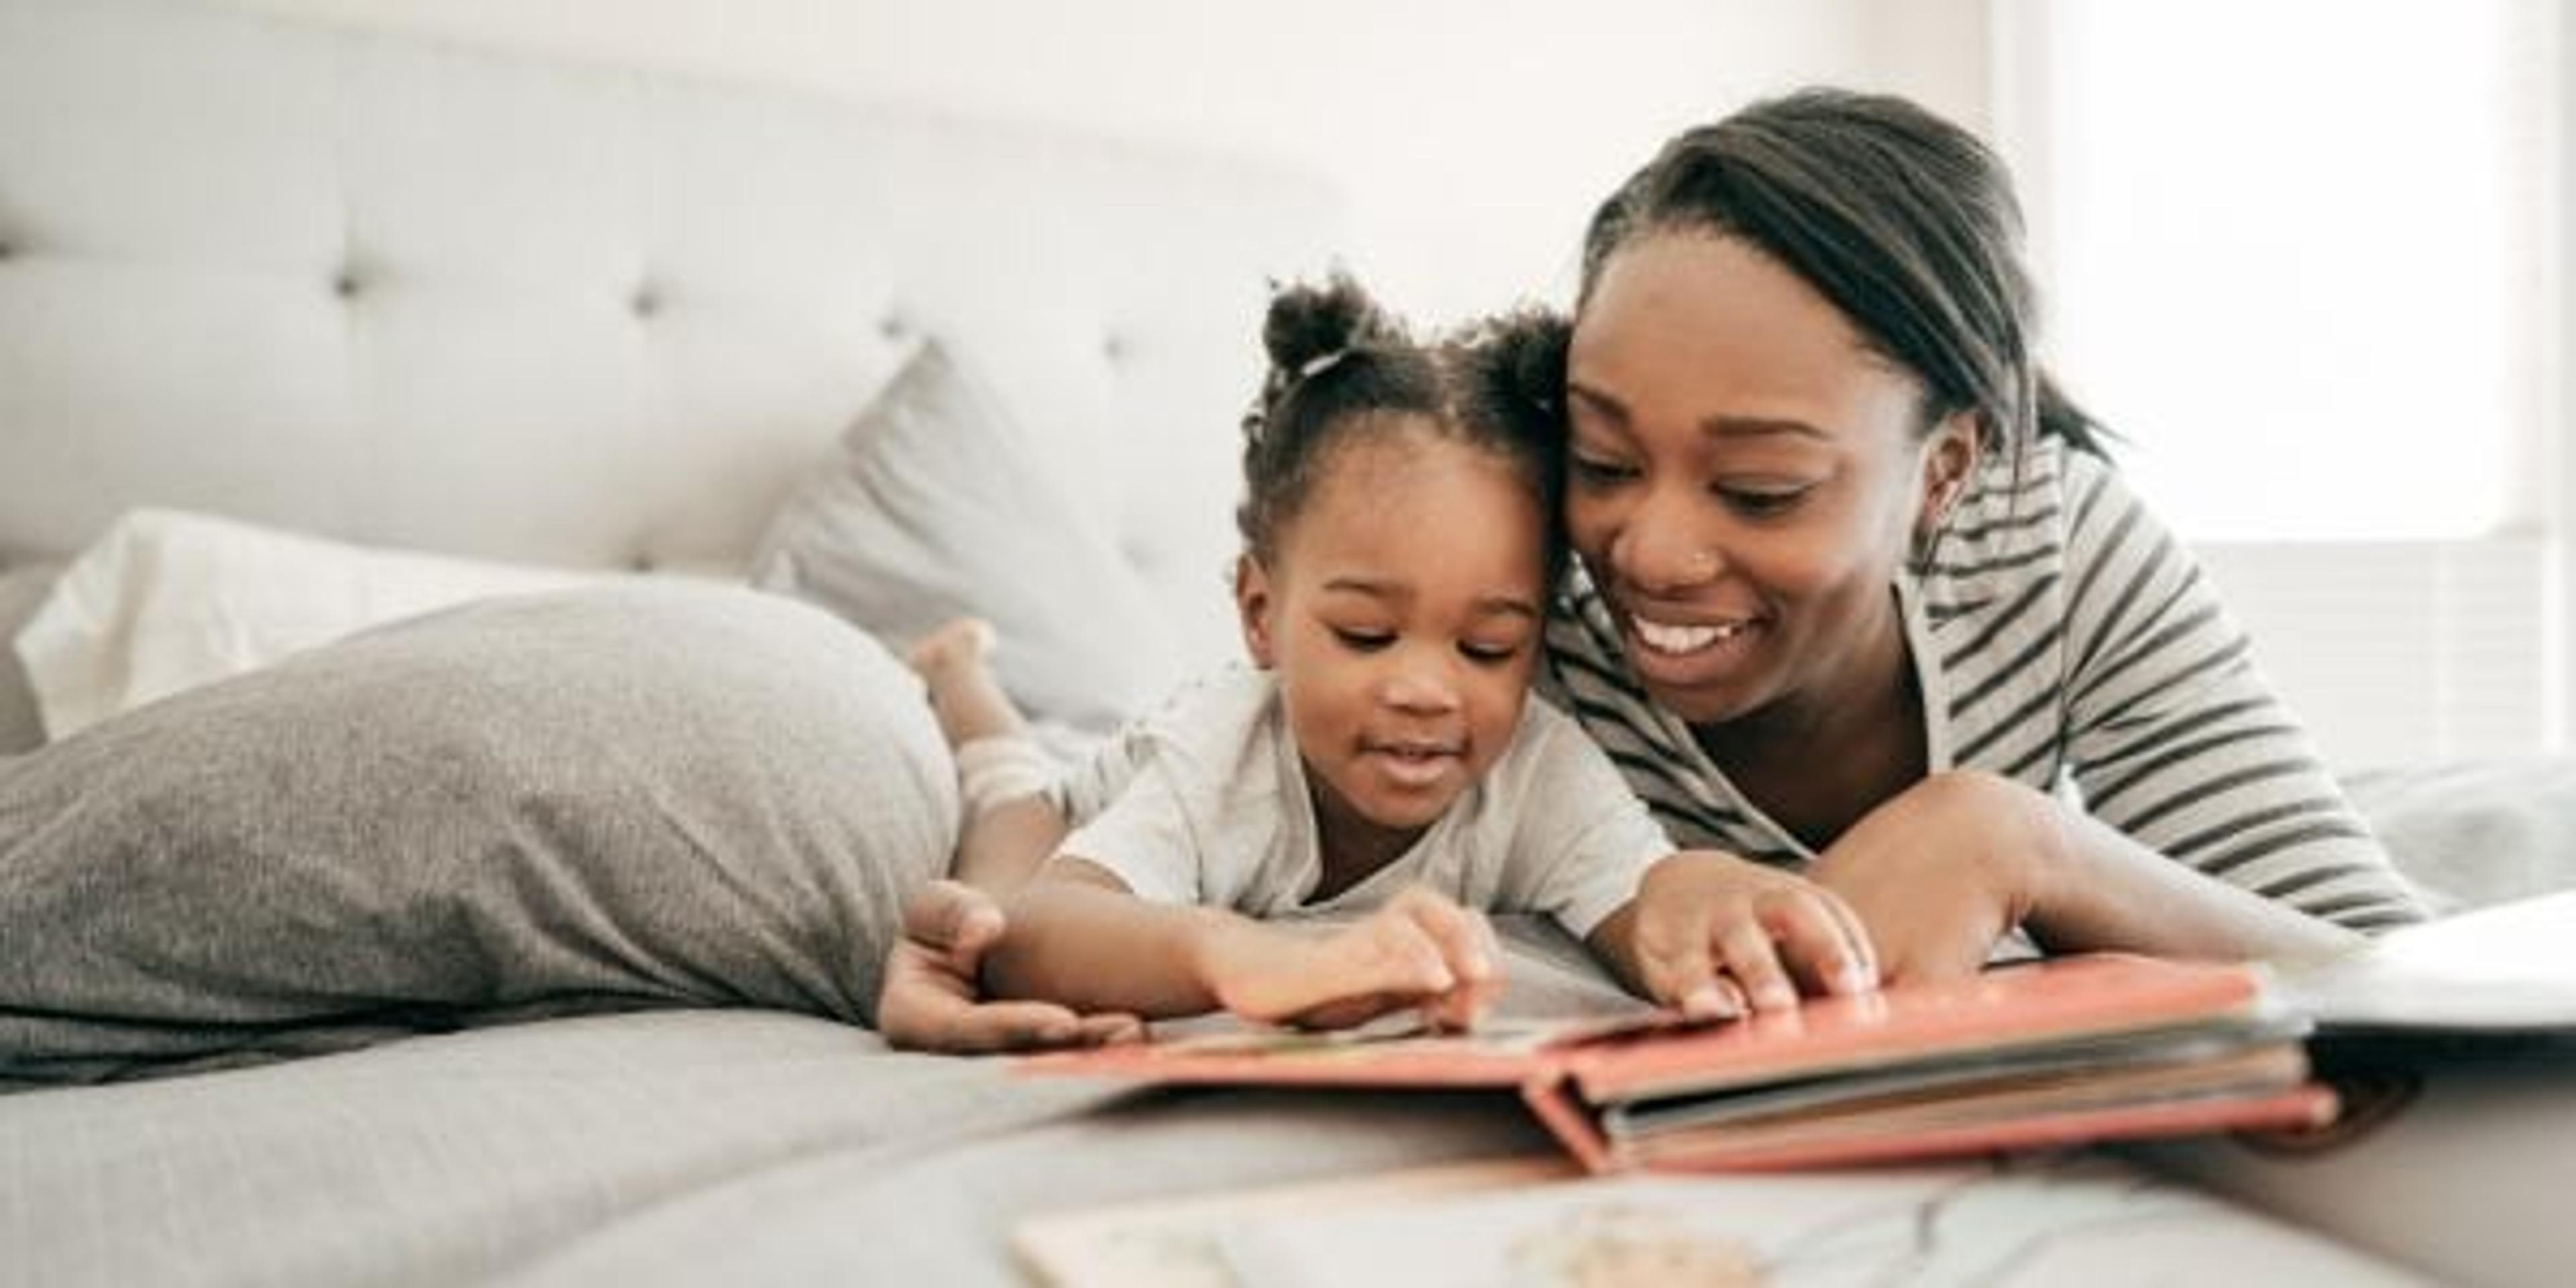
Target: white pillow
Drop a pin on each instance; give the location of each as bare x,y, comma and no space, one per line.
934,507
168,600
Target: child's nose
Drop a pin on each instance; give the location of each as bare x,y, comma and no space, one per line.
1422,681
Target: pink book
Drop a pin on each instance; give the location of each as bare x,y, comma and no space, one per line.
2082,1048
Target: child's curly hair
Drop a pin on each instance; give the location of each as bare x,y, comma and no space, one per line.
1341,366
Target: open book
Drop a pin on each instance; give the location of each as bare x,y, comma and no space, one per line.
2092,1047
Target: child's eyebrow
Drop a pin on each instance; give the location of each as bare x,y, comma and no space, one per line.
1506,606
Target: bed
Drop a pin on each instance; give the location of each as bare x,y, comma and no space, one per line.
307,330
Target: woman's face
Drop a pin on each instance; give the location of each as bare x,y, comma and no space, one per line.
1745,476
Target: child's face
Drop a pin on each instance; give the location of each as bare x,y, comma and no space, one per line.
1401,612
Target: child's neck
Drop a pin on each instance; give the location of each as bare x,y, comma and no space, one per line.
1351,847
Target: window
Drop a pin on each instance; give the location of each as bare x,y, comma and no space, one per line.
2303,256
2296,251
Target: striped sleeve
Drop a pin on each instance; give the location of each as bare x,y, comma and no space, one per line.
2172,736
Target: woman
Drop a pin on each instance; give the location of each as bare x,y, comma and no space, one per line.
1857,592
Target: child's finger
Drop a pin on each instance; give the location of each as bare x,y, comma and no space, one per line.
1010,1026
1461,1007
1680,971
1754,960
1463,939
955,919
1111,1028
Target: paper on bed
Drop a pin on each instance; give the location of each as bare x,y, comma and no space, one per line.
2061,1219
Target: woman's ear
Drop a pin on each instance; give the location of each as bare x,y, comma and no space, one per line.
1949,458
1252,604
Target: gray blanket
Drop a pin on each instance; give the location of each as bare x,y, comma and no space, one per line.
585,801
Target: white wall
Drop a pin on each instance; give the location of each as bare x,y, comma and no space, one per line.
1473,136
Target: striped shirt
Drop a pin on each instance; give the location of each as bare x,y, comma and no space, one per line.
2062,638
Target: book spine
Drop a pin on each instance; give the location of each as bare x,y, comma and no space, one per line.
1551,1097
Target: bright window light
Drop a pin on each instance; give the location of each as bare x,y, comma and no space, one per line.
2296,254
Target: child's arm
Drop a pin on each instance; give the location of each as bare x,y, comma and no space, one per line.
1711,933
1078,937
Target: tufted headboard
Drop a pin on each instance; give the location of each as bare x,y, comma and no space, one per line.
422,296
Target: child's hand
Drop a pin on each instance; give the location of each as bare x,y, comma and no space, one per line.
1715,933
1420,950
929,1000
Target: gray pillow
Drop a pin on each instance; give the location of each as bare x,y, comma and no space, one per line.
2476,832
607,798
934,508
23,587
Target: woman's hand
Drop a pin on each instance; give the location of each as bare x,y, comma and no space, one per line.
1945,869
930,1000
1419,950
1711,933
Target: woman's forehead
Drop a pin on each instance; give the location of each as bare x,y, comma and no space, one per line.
1706,327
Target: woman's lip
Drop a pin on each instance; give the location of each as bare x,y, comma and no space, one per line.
1686,653
1681,639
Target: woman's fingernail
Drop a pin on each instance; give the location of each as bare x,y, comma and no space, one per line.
1775,996
1857,980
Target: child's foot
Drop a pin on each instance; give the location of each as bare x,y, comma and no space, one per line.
964,693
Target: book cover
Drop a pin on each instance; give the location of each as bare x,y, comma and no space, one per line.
2089,1047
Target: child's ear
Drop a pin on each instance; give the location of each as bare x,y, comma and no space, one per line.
1252,604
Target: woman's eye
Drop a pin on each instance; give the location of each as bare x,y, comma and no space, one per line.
1363,641
1761,502
1597,471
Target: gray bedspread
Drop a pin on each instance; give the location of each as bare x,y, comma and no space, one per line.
731,1146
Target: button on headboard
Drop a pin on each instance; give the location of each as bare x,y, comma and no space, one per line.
415,295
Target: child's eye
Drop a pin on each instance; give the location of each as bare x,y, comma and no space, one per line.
1363,641
1489,654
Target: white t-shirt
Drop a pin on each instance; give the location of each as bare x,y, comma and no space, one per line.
1206,802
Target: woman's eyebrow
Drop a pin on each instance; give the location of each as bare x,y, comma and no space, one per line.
1718,426
1597,400
1758,427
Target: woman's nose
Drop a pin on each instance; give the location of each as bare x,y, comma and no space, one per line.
1661,551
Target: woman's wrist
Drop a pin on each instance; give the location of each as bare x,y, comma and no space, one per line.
2029,855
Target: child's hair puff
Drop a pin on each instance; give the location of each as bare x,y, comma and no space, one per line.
1342,366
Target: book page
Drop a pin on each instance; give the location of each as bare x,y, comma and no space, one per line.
2054,1220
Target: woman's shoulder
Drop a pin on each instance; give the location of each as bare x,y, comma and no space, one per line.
2029,516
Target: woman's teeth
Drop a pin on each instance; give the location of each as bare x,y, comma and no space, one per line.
1683,639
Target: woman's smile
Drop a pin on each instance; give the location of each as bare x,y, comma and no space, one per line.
1674,651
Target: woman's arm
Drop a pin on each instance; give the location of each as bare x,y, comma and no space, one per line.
1947,868
2179,746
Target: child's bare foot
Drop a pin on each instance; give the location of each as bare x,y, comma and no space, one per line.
952,663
